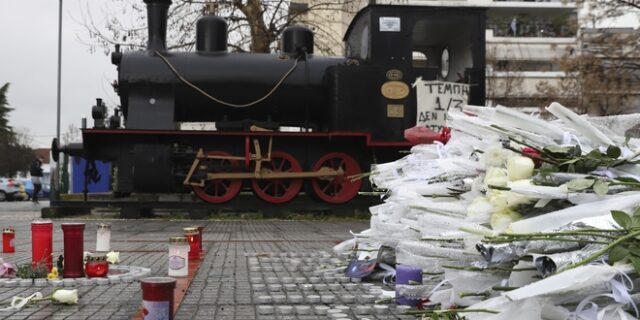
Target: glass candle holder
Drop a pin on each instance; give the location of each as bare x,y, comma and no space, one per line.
404,275
73,234
157,297
178,257
42,243
103,238
192,236
97,269
8,235
201,238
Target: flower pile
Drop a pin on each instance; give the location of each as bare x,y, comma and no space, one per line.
516,217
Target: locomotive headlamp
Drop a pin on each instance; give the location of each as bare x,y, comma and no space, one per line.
444,63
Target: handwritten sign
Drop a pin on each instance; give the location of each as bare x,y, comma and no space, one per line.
435,98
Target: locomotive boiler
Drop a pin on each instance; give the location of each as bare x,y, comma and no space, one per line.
286,122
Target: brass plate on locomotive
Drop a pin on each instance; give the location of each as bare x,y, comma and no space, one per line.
395,111
394,74
394,90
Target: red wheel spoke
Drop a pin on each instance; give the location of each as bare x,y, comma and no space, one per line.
339,189
219,190
279,190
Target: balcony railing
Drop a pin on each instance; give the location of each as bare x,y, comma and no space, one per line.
528,27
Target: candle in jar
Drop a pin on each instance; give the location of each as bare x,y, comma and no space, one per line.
192,236
157,297
406,275
200,229
103,239
42,243
8,235
73,235
178,257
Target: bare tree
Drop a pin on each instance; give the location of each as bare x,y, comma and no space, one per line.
504,80
14,154
71,135
254,25
603,72
598,9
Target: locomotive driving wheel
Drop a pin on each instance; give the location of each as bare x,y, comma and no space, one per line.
279,190
219,190
337,189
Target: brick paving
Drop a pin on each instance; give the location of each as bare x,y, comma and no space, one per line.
261,269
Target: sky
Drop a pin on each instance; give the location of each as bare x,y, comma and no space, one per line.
29,60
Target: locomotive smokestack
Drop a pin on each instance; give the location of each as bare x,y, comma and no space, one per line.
157,24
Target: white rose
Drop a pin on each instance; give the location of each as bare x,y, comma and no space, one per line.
480,209
494,155
496,177
519,167
65,296
502,219
113,257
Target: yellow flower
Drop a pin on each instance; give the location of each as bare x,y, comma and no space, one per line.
496,177
53,274
501,220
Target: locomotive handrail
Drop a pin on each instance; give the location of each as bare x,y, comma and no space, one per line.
228,104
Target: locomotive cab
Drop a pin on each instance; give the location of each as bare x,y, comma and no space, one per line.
402,49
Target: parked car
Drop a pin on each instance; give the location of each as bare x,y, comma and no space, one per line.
28,188
11,189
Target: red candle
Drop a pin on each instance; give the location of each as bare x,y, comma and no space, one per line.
73,250
201,236
157,297
42,242
7,240
192,235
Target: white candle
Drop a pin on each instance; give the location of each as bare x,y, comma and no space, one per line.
103,240
178,257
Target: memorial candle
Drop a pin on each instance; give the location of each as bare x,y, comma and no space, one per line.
8,235
178,257
103,238
42,243
192,236
200,229
73,234
157,297
405,275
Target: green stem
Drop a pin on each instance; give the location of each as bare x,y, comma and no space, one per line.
381,301
622,183
572,232
474,294
602,251
498,188
440,240
503,288
427,312
532,156
543,239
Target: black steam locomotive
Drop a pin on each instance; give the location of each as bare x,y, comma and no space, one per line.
285,121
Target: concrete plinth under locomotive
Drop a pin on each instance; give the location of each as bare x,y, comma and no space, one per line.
352,111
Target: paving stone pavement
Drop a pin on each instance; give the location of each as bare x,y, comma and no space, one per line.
262,269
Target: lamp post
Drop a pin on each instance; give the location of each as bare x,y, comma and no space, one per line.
56,176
